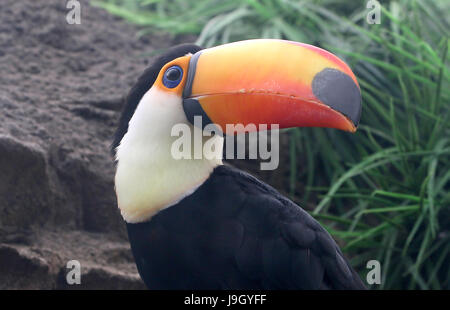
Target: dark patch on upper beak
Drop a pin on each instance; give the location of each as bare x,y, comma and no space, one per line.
338,90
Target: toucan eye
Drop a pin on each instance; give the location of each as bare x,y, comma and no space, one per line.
172,77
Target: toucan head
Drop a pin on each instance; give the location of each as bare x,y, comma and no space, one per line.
261,81
256,82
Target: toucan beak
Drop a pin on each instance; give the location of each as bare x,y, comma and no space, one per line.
271,82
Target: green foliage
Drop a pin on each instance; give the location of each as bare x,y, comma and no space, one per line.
385,190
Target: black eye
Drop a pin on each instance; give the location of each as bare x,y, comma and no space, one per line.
172,77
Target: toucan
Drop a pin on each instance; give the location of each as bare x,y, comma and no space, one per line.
197,223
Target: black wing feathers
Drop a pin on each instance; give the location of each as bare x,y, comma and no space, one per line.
296,252
236,232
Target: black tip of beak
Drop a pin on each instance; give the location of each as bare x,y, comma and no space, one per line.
338,90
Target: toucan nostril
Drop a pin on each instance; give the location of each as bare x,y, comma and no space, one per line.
338,90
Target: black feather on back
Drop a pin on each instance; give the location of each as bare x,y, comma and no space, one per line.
235,232
143,84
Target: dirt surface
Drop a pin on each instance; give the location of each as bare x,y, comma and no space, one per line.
61,87
61,90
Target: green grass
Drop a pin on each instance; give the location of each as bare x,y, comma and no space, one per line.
385,191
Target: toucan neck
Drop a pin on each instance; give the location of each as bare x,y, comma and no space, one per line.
148,181
148,177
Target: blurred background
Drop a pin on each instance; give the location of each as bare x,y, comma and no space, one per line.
383,193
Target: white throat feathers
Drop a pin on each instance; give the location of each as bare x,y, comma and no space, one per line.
148,178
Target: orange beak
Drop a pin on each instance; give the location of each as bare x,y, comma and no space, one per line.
271,82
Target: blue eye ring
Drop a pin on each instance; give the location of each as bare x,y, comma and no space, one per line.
172,76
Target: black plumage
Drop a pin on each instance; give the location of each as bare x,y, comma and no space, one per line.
235,232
